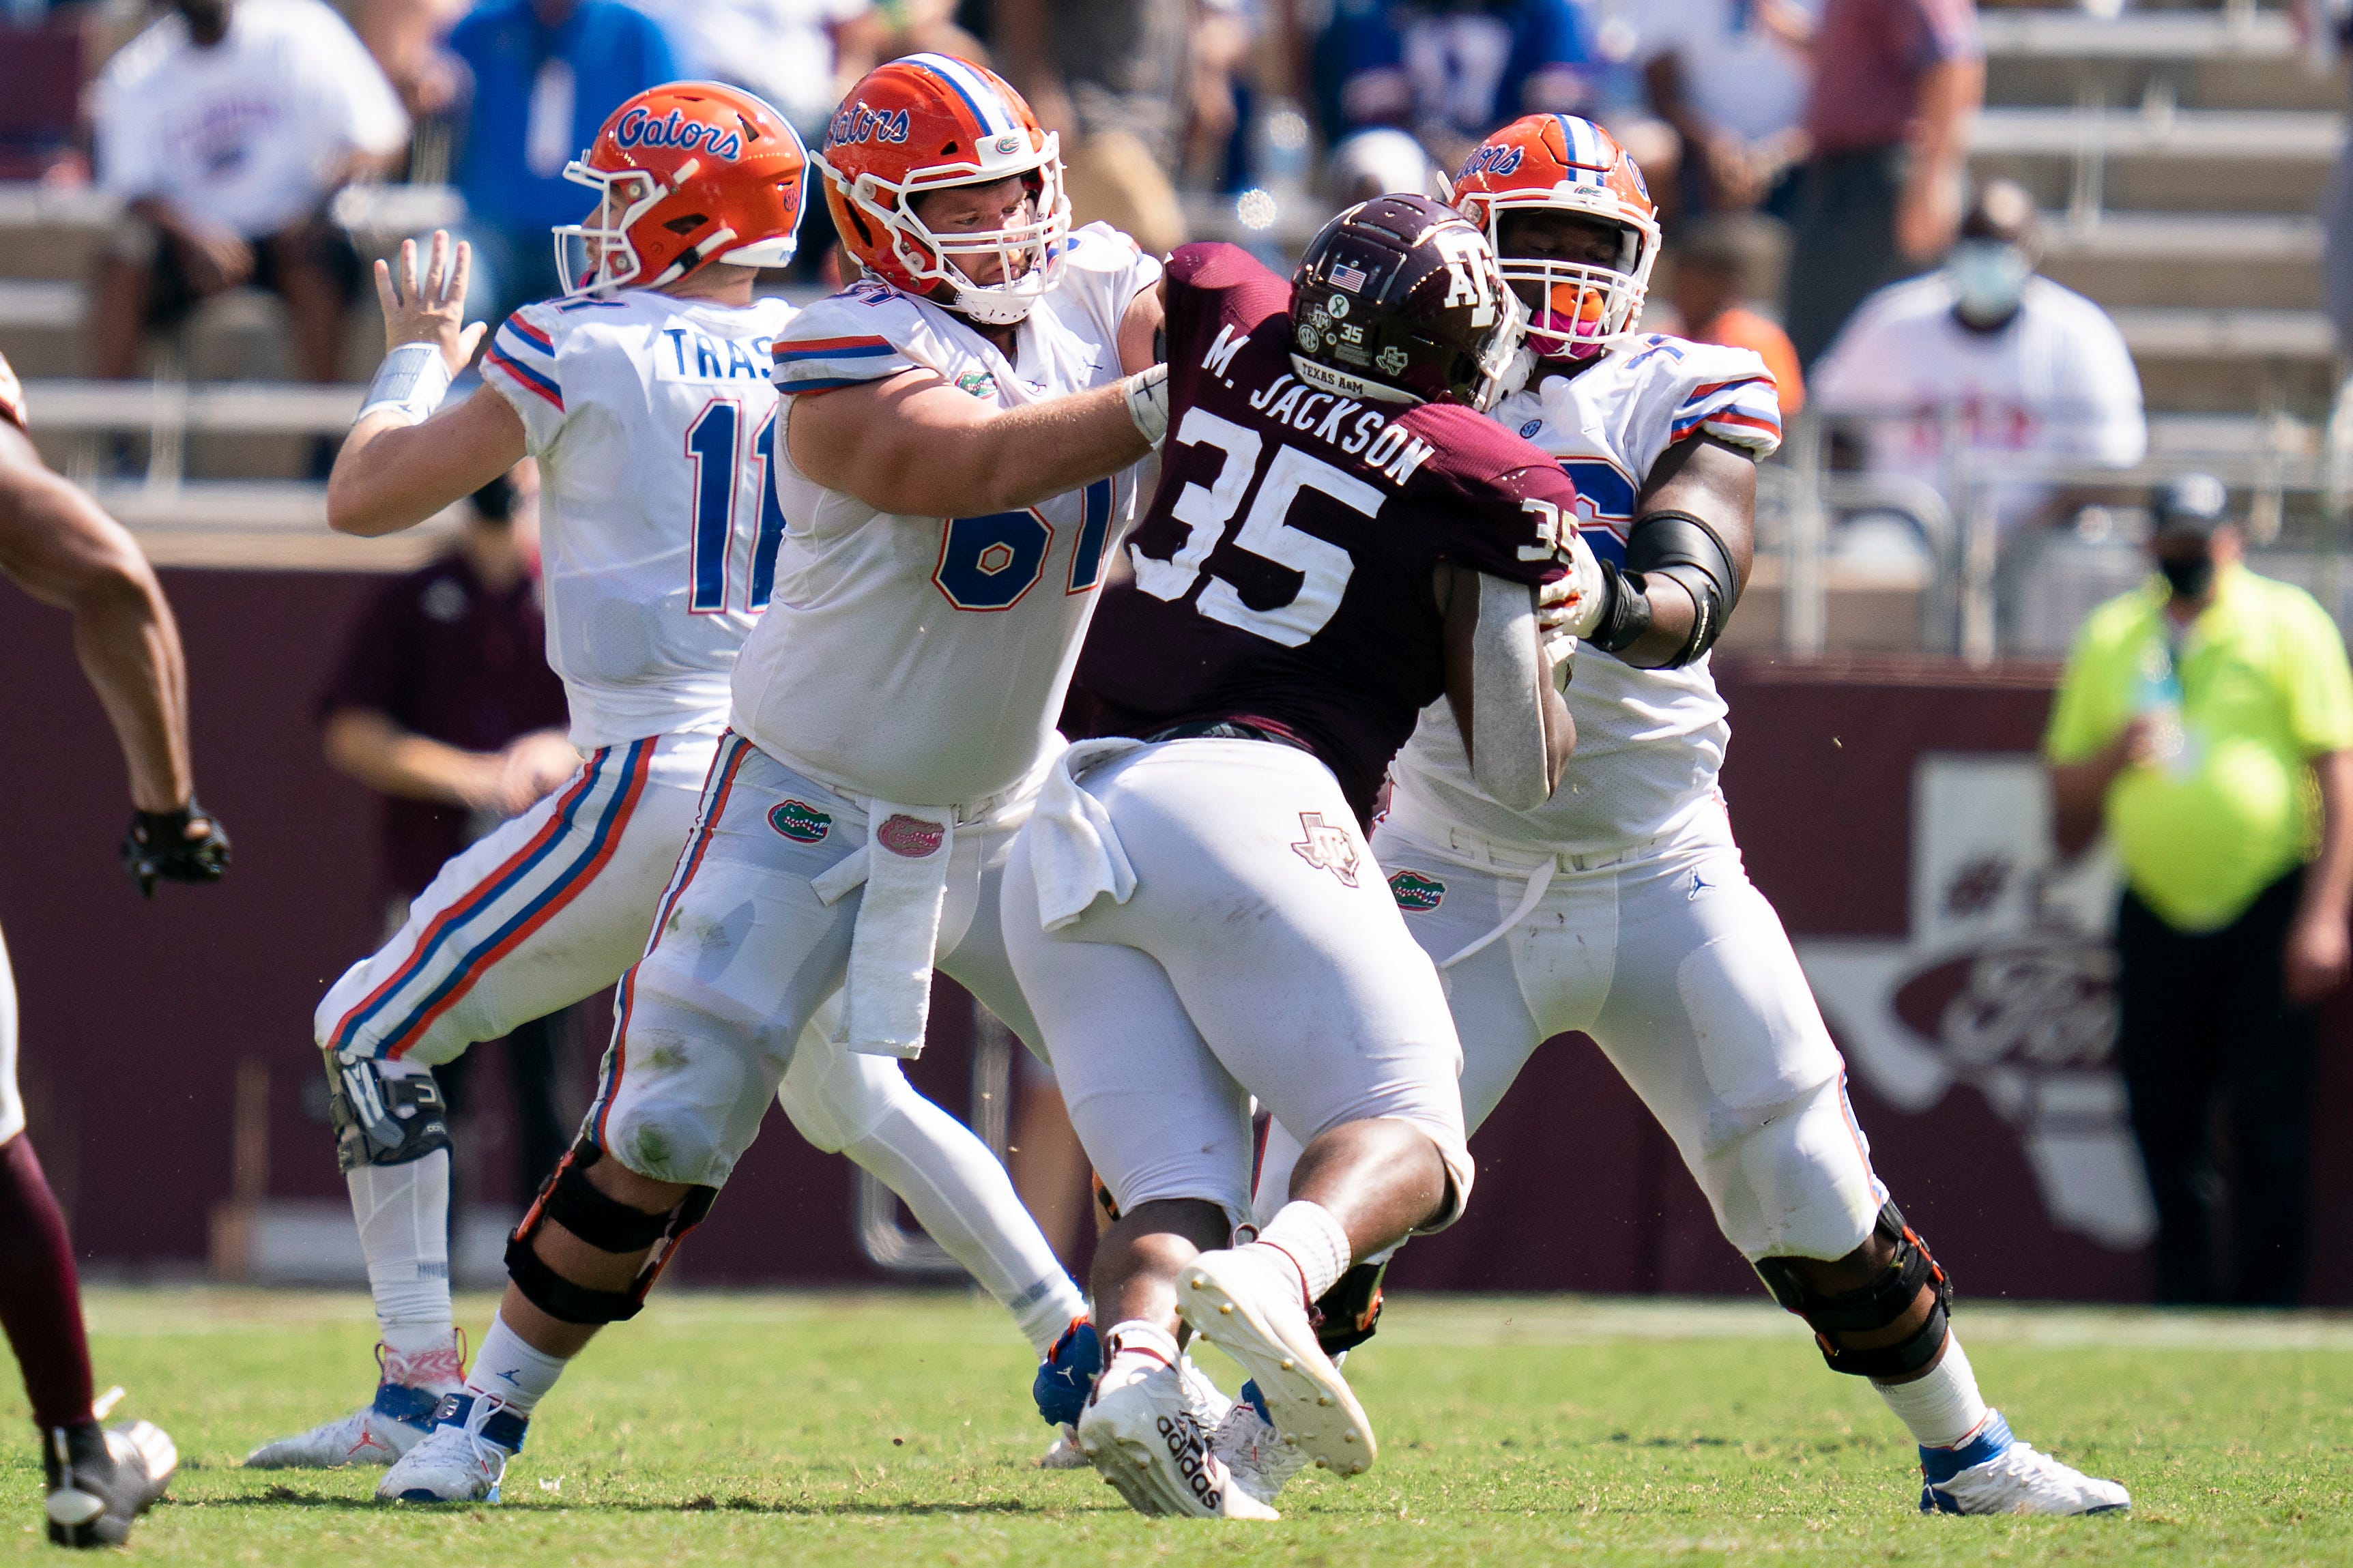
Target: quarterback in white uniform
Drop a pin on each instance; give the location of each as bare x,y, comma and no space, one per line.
1620,906
944,452
645,396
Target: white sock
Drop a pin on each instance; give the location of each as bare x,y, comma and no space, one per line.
1943,1409
965,1200
510,1369
1312,1240
1137,1350
403,1218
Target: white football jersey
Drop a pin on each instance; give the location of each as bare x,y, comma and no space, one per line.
1648,741
923,660
654,421
2057,381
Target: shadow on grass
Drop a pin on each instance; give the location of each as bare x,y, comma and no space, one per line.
285,1496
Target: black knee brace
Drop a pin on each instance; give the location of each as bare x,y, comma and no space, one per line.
1347,1314
1878,1305
573,1201
381,1120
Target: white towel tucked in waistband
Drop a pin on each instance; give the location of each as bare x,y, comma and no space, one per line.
1074,856
904,867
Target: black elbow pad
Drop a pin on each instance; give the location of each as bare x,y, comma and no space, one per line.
1678,545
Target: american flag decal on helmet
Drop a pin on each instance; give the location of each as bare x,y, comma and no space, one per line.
1344,276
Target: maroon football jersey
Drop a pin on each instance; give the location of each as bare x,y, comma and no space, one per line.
1284,573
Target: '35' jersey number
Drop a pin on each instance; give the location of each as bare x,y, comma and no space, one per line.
1324,567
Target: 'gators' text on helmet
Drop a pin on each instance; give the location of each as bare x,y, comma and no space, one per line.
685,174
1557,162
928,122
1398,300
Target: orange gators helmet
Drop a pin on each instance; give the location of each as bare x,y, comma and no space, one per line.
685,174
1557,162
925,123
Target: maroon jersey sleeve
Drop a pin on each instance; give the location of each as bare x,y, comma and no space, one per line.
1495,501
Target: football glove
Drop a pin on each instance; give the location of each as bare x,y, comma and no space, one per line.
156,846
1568,610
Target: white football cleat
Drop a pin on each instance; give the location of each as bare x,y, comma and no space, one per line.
408,1390
463,1458
1064,1453
1263,1459
1150,1446
1993,1472
366,1437
1247,1301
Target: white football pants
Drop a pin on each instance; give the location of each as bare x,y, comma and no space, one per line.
555,906
1679,969
743,951
1259,955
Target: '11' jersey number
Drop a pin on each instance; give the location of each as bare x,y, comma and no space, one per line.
711,441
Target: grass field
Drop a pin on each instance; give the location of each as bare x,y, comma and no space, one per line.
890,1428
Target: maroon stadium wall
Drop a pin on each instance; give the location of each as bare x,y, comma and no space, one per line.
1993,1122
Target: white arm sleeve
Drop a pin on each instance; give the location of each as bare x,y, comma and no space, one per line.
1508,674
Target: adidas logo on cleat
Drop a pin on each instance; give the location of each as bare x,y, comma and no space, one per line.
1192,1456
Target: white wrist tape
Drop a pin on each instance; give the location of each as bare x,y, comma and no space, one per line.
412,381
1147,402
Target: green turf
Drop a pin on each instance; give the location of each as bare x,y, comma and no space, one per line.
875,1429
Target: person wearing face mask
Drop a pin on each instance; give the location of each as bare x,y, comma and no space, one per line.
2205,720
1986,351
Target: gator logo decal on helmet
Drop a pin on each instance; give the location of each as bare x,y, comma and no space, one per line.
1415,892
799,821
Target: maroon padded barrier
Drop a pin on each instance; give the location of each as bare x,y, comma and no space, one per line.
135,1017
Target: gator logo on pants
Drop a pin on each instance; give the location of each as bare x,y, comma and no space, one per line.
1415,893
1327,847
799,821
910,837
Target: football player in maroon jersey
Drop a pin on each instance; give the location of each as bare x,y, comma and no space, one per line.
1339,538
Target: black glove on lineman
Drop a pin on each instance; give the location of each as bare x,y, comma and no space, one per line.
157,845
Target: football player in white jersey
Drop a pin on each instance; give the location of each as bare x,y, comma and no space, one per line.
949,453
1619,908
646,397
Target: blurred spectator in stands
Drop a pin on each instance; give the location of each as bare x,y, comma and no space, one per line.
225,128
1896,84
2206,719
405,37
1716,261
1377,162
1730,76
784,51
801,55
1986,353
2325,30
444,704
1449,70
545,74
1117,79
